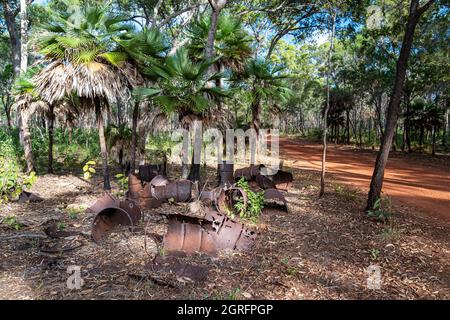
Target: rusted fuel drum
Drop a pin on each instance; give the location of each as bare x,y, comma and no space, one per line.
230,234
282,180
159,180
179,191
189,235
106,201
132,209
148,171
134,186
226,199
225,173
146,199
274,198
264,182
248,173
106,220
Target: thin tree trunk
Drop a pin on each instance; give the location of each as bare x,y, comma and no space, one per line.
14,36
103,147
7,108
327,108
376,183
51,123
23,36
446,124
347,125
433,152
407,126
134,137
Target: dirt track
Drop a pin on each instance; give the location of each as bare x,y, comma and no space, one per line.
410,181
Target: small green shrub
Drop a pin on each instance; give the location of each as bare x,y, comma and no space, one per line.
374,253
381,209
12,222
88,169
61,226
255,202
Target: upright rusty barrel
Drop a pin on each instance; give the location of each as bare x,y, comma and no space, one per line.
225,174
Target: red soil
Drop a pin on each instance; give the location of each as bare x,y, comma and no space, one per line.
415,182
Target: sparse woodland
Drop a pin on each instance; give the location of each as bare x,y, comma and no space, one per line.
92,94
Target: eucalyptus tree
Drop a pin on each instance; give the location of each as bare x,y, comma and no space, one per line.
82,58
415,12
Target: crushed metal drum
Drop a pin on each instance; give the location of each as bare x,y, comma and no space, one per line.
189,235
26,196
107,220
231,234
213,233
274,198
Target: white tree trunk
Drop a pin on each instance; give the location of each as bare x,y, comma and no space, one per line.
23,36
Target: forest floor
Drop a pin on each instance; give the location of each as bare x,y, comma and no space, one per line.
418,181
318,249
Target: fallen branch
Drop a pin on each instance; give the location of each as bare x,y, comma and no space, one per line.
24,235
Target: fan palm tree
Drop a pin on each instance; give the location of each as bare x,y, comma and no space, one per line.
263,82
231,45
146,49
82,58
29,103
231,42
184,89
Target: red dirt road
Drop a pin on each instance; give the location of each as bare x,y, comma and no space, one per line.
412,182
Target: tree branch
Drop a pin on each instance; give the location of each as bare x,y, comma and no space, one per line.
176,14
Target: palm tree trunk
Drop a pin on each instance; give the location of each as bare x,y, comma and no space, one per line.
26,134
256,114
51,124
103,148
394,103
